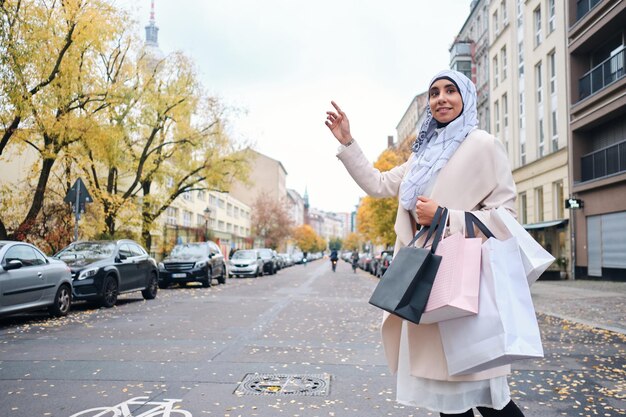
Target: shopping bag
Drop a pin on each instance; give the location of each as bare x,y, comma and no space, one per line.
534,257
404,288
505,328
455,290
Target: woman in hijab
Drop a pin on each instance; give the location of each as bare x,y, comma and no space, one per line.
455,165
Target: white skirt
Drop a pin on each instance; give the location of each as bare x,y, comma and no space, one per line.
450,397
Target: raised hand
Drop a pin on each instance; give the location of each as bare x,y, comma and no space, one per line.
338,124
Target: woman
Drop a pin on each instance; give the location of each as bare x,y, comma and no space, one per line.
453,165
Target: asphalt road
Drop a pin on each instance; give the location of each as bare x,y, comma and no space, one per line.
305,343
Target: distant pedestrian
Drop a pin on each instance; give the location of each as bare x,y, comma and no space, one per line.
454,164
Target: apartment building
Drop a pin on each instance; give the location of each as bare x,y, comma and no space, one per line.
267,177
596,39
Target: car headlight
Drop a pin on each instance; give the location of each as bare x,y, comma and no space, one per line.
87,273
200,264
161,265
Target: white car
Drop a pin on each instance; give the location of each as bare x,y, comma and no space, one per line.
245,263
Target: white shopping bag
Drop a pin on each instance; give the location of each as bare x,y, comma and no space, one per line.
534,257
505,328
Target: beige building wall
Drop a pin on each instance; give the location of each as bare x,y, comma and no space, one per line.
528,102
267,176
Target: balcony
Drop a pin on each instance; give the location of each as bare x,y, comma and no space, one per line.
607,72
608,161
584,6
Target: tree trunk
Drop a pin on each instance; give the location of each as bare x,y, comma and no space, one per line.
146,216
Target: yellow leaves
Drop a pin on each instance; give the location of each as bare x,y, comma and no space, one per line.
306,238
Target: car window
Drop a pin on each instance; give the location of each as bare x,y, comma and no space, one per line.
125,250
136,250
244,254
41,259
22,253
87,250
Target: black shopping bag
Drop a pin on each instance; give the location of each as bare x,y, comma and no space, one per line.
405,287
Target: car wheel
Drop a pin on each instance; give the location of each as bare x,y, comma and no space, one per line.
206,282
222,278
150,292
62,301
109,292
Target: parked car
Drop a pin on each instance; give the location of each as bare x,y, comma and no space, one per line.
193,262
29,280
245,263
104,269
269,260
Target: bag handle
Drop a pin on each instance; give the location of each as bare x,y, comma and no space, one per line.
470,221
428,229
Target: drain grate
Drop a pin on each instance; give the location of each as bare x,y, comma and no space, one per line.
281,384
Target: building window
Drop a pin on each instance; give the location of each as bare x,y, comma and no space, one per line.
496,26
505,17
552,69
504,62
229,209
201,195
551,16
559,200
212,200
187,216
522,152
520,58
554,131
537,21
505,121
496,73
199,220
172,215
523,213
520,13
496,117
220,225
539,83
221,203
236,212
521,111
541,144
187,196
539,204
229,227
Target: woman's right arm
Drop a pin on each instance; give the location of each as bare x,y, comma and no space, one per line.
371,180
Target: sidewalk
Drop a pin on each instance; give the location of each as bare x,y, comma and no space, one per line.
599,304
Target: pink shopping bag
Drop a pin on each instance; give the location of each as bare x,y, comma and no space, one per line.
455,290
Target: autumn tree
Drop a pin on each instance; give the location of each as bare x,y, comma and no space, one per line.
335,243
49,89
376,216
307,240
353,242
270,221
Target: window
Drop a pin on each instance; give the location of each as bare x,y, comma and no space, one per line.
505,18
521,111
522,153
170,181
201,195
520,13
551,16
505,111
537,21
503,61
220,225
187,216
221,203
229,227
495,71
559,200
496,26
229,209
520,58
199,220
552,69
553,130
523,214
539,83
236,212
541,144
539,204
187,196
496,117
172,215
212,200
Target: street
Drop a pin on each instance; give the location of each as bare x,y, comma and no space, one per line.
307,341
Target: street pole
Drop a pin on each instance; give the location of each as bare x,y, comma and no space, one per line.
76,212
572,215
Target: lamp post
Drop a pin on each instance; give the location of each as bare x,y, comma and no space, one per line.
207,216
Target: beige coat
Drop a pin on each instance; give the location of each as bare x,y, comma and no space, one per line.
477,178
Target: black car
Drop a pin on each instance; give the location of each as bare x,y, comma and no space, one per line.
193,262
101,270
270,263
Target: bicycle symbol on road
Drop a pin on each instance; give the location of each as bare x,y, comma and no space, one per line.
163,408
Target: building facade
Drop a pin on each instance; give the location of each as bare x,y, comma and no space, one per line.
267,177
596,39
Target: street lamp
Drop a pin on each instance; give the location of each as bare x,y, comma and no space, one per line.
207,216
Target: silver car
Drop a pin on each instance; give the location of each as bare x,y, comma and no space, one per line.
29,280
245,263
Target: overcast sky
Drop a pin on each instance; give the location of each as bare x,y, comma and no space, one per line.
284,60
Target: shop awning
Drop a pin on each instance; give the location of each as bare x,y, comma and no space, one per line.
545,225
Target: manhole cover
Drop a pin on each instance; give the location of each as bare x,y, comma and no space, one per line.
277,384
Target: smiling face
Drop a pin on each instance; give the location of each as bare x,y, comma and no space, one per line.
445,100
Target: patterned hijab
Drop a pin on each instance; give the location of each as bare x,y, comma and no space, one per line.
432,150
